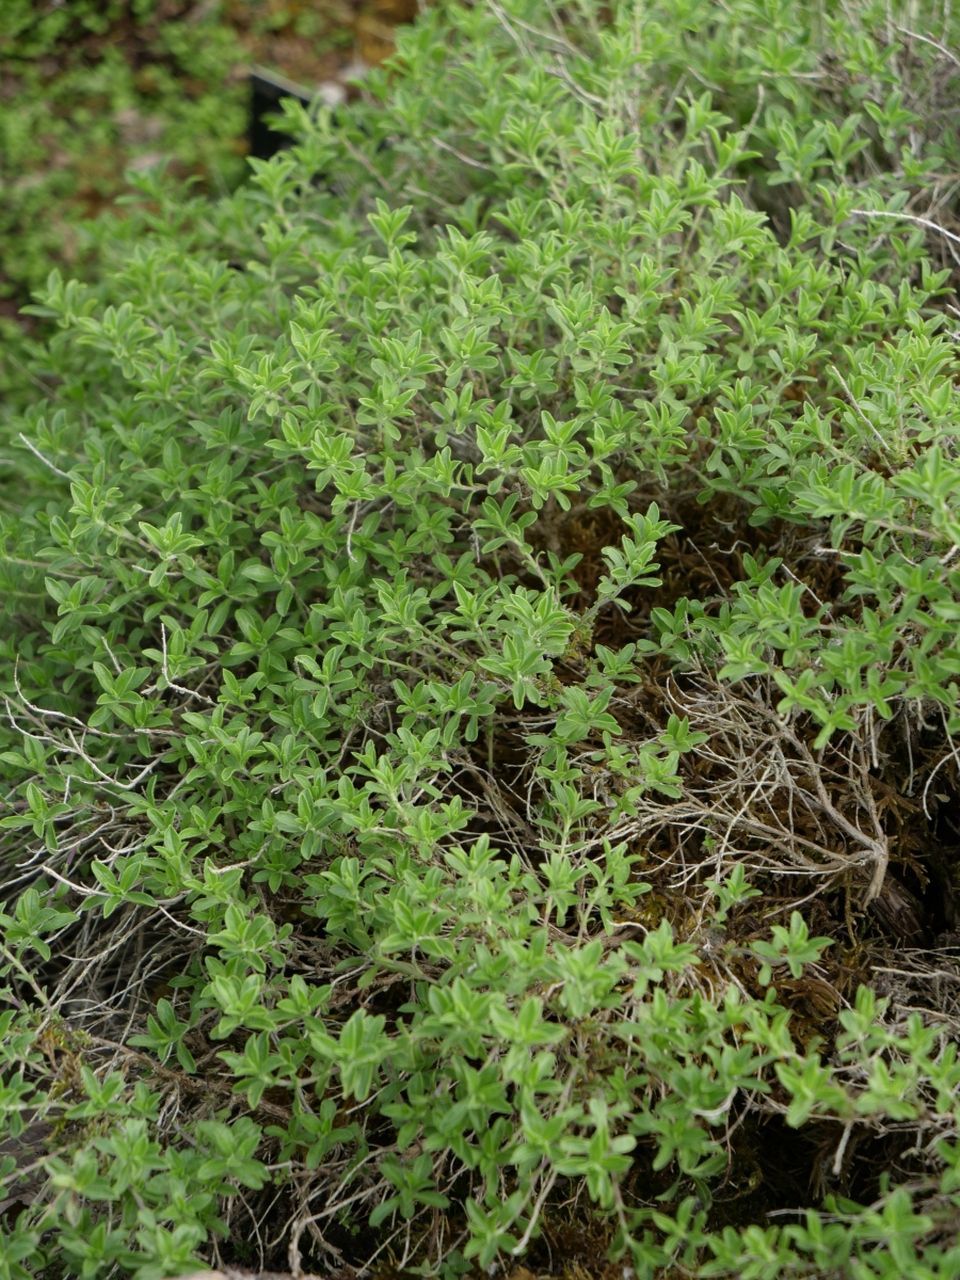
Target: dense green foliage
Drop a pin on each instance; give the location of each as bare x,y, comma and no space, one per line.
483,604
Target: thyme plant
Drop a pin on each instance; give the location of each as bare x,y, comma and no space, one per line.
481,674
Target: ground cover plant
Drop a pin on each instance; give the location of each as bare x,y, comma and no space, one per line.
481,675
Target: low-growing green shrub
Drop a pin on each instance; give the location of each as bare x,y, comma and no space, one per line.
481,665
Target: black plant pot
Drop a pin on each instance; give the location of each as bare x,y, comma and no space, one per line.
267,90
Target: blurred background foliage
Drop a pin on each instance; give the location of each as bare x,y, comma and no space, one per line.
89,88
